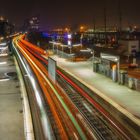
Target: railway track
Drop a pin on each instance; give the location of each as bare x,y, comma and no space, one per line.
93,117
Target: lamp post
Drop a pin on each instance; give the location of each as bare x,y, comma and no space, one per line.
92,52
105,25
70,49
70,41
57,49
81,40
53,47
62,50
118,66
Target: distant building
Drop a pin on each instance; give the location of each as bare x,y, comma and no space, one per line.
34,23
5,27
31,24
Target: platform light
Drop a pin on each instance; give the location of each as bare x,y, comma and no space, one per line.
69,42
69,36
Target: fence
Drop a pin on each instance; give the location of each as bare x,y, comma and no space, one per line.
64,55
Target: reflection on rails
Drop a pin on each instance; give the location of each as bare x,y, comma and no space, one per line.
68,112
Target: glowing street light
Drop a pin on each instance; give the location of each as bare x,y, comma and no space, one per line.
81,28
1,18
67,29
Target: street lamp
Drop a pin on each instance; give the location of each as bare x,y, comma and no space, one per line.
69,41
92,52
81,40
67,29
62,50
81,28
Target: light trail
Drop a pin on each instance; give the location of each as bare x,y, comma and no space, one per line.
36,53
40,68
34,67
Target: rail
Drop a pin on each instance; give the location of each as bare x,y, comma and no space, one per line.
32,55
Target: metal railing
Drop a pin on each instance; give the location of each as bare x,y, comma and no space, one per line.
37,103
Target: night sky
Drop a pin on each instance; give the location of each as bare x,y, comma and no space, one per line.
62,13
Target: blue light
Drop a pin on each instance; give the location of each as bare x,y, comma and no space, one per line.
65,36
45,35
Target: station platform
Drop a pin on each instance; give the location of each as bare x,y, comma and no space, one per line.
121,97
11,108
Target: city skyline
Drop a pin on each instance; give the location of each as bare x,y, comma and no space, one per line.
62,13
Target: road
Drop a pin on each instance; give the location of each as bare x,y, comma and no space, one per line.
11,115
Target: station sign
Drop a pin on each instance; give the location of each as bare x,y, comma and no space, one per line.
52,69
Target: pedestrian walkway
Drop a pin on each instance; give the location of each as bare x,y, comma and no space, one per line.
11,115
121,97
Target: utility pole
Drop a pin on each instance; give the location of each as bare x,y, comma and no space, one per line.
105,22
120,18
94,33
